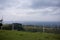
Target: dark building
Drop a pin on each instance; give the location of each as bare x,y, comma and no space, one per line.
17,26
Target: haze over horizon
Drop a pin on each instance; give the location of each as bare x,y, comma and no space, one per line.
30,10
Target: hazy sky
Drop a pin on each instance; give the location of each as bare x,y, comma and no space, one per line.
30,10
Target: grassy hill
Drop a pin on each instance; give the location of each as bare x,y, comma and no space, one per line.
21,35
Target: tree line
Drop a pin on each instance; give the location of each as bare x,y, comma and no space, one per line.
30,28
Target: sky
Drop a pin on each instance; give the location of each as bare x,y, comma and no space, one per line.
30,10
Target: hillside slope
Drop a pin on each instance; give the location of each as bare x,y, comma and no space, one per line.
21,35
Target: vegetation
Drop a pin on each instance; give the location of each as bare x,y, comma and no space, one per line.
22,35
29,32
31,28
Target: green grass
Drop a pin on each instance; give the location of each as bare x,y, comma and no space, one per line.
21,35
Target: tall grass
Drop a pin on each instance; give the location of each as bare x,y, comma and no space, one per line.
22,35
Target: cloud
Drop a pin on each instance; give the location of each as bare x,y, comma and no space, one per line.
46,11
30,10
15,4
36,4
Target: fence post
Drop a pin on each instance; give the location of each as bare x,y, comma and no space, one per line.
12,26
43,29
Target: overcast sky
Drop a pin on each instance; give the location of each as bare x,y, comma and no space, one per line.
30,10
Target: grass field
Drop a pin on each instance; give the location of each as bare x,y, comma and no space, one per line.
21,35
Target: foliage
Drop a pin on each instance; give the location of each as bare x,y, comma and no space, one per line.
31,28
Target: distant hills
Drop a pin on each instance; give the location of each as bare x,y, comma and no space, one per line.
33,23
